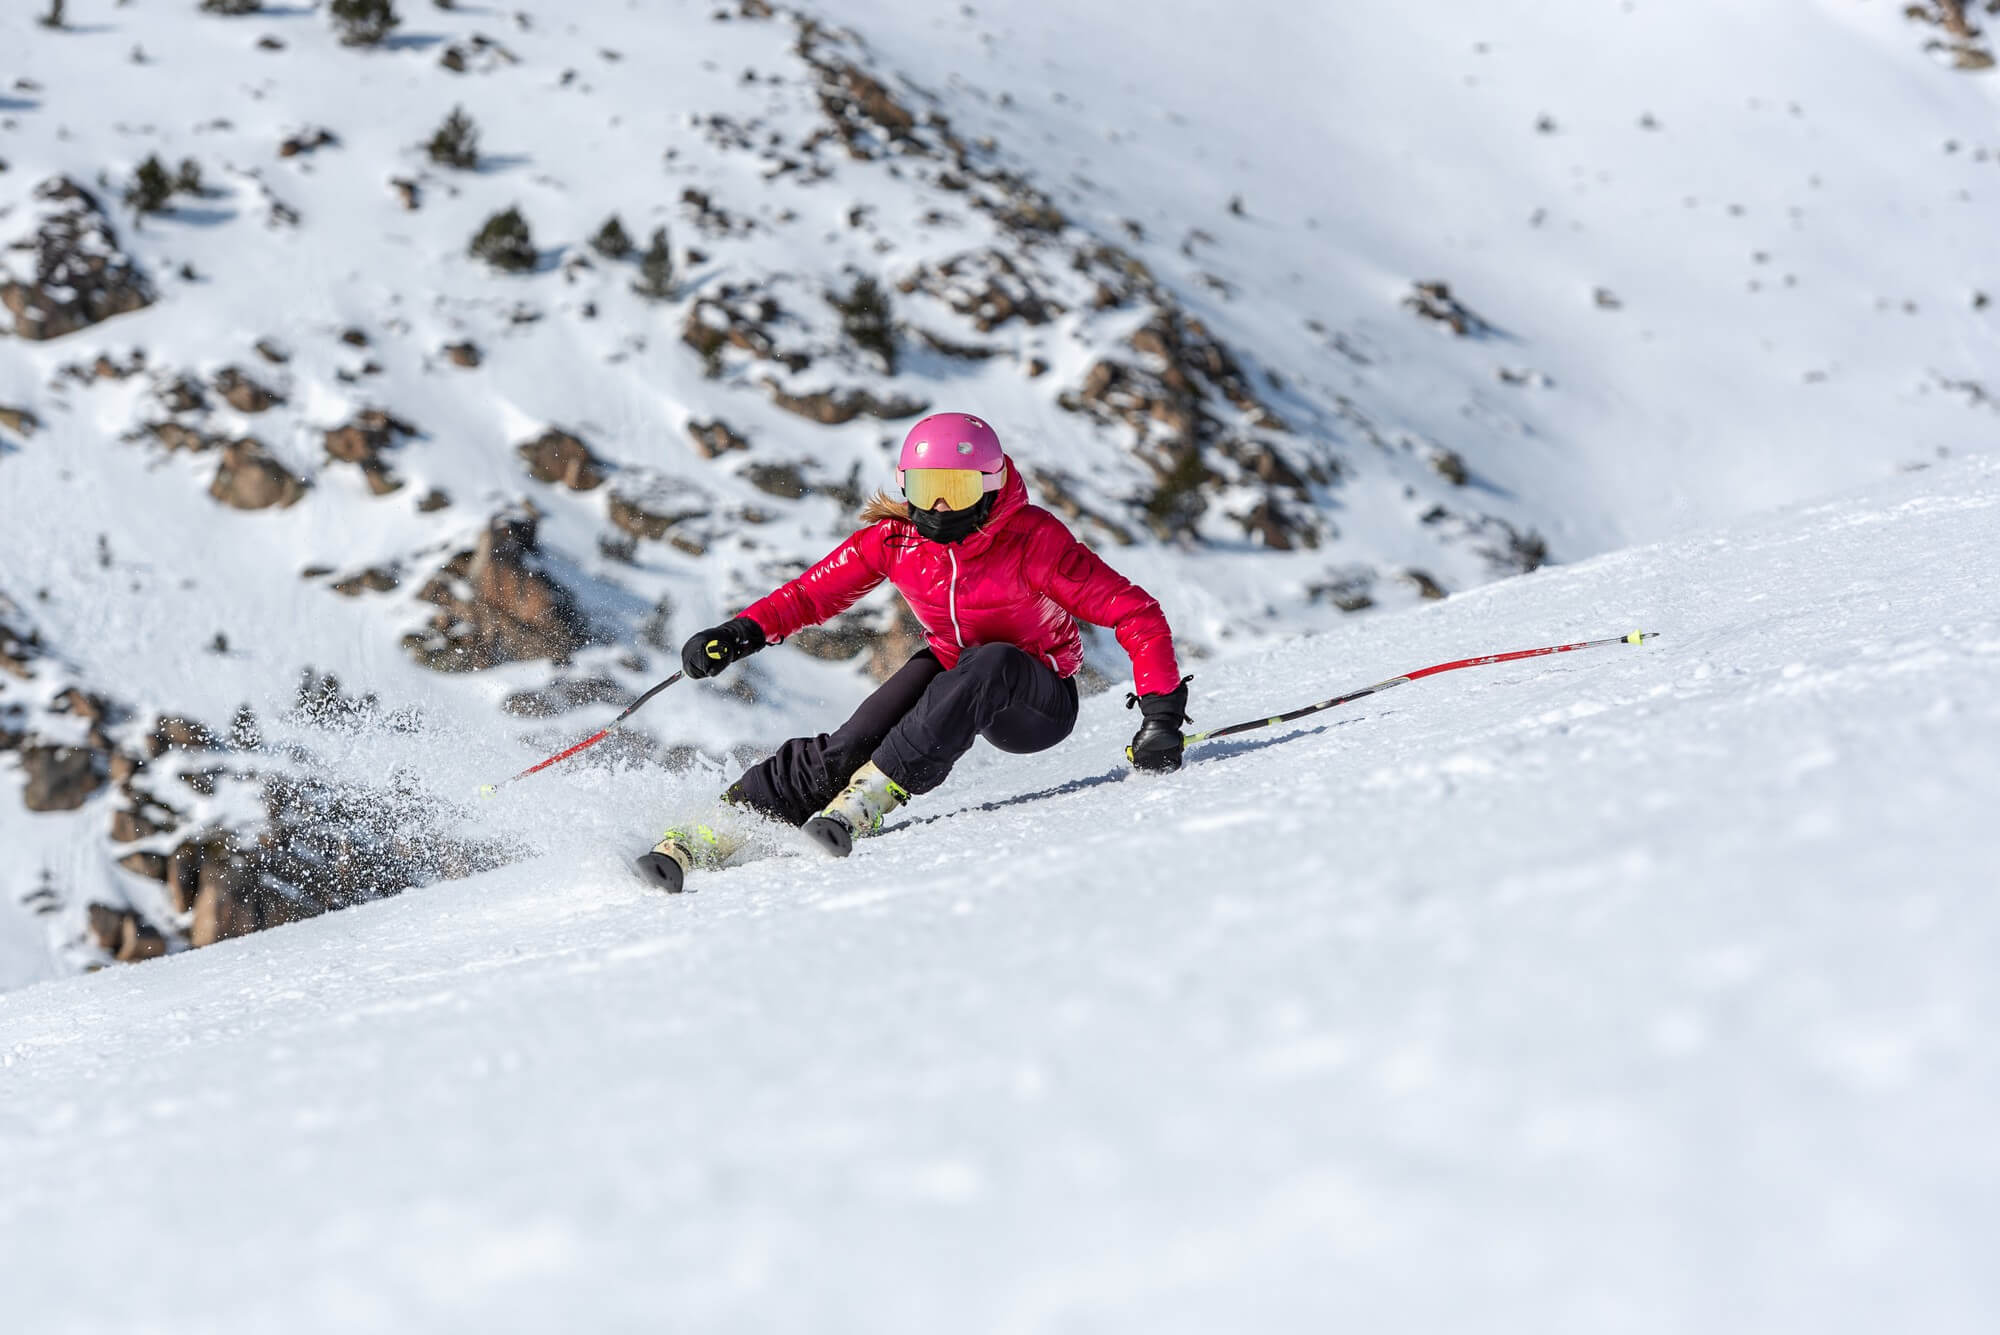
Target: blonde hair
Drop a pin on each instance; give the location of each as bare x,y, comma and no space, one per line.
883,506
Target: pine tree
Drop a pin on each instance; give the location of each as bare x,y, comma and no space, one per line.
456,143
151,187
865,318
611,241
656,269
506,243
364,22
187,181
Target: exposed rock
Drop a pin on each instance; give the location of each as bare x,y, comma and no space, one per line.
61,778
433,501
121,934
497,604
175,436
654,513
1429,589
307,141
1433,301
986,287
889,636
715,438
79,276
744,317
557,456
363,441
784,481
244,394
465,354
19,421
1349,590
375,579
250,479
149,866
182,734
560,697
1057,492
833,407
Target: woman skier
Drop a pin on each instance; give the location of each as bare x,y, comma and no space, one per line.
999,585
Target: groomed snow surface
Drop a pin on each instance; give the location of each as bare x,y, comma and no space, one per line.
1639,990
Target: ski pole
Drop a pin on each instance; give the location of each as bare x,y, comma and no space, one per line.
1636,637
488,789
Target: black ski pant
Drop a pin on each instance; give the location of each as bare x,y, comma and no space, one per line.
915,727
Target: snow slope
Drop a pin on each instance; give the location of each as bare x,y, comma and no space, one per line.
1790,205
1639,990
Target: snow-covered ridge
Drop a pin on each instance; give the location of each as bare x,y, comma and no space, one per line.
1646,989
475,466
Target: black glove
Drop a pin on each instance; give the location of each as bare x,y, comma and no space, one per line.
1157,746
716,648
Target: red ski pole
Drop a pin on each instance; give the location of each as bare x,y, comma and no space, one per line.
1636,637
488,789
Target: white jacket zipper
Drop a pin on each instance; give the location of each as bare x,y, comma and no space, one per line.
951,598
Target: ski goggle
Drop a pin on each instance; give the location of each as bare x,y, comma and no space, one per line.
958,488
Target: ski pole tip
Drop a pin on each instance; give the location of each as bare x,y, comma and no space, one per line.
488,789
1641,636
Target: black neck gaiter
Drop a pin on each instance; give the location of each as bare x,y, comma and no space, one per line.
949,526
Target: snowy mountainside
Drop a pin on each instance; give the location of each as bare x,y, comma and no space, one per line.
1644,989
311,451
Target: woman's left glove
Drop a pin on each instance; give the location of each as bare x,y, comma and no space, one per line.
1157,746
714,649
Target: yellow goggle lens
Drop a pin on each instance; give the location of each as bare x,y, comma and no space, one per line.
958,488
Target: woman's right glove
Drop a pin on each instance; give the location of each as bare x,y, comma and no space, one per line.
1157,746
716,648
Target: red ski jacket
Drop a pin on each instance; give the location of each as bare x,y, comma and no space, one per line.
1023,580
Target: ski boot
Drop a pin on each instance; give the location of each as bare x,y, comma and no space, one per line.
857,812
681,851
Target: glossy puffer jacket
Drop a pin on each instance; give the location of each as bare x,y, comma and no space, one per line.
1023,579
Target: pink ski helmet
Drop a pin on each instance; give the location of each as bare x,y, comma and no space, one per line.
953,441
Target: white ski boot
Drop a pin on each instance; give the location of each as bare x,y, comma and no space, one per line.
681,850
857,812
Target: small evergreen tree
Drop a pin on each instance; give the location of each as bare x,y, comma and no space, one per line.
456,143
865,318
187,181
151,187
506,243
54,18
656,269
364,22
231,6
611,241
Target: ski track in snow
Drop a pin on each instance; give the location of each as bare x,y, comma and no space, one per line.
1638,990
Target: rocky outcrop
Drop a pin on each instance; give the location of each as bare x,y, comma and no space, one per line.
712,439
61,778
363,442
250,479
77,275
497,604
986,287
1434,301
888,636
244,394
558,457
123,935
19,421
833,407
